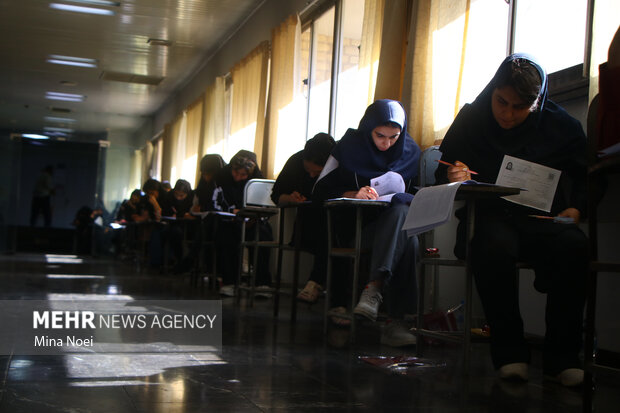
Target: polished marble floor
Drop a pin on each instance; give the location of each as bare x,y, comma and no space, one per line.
264,365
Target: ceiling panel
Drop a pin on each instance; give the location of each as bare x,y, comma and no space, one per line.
30,31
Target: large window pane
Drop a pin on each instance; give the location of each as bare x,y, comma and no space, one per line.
552,30
320,73
352,91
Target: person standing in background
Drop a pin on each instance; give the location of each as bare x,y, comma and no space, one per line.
41,197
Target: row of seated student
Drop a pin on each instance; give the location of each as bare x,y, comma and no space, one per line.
512,116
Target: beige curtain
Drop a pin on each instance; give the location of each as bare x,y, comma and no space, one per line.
247,124
166,156
176,147
370,47
194,131
286,114
449,59
216,121
604,27
393,40
146,161
135,173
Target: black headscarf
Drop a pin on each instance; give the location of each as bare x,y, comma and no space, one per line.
172,206
229,194
357,152
549,136
210,164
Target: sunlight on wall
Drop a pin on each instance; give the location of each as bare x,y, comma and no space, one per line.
446,62
242,139
290,134
189,169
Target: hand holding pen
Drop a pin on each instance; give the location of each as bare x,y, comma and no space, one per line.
458,171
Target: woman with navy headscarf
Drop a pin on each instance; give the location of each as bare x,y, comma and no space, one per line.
379,145
513,116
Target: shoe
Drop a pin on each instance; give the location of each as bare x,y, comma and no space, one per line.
227,290
396,334
513,371
339,321
569,377
310,293
263,291
369,303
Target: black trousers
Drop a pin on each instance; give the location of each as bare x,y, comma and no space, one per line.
559,255
313,224
228,237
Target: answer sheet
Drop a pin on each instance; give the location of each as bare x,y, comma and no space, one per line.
538,182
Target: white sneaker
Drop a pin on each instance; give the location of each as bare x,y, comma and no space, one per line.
513,371
369,303
396,334
570,377
227,290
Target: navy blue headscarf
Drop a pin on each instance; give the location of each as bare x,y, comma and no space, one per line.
357,152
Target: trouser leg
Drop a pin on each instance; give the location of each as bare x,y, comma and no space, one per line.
561,262
494,252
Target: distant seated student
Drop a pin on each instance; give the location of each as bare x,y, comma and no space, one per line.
228,196
210,166
129,207
513,116
83,223
149,209
380,145
178,202
166,187
294,184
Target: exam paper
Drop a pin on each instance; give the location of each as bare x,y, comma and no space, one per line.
540,182
387,185
430,208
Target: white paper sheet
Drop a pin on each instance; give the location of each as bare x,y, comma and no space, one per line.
430,208
540,182
389,183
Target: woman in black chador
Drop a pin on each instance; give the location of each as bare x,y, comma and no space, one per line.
513,116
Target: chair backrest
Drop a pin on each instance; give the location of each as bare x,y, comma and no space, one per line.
428,165
257,192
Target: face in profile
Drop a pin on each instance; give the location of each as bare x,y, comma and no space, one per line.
312,169
509,110
385,136
239,174
134,199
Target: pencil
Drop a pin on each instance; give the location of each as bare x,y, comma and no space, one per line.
449,164
540,217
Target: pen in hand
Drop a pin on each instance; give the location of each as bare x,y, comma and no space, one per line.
450,164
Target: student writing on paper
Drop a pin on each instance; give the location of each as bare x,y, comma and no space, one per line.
379,145
228,195
210,166
294,185
513,116
176,204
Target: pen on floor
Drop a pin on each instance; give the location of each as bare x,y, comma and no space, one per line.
450,164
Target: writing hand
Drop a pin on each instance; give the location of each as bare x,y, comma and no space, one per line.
367,192
297,197
459,172
571,213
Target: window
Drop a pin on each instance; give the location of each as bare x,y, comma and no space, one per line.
317,44
538,23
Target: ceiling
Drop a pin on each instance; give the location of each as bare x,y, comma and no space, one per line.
132,78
